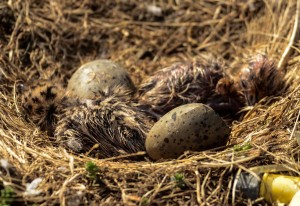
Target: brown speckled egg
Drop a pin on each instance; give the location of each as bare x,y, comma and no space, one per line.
96,78
194,127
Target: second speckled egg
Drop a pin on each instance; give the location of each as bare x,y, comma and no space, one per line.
194,127
97,78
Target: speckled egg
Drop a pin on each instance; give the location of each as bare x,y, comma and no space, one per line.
98,78
193,127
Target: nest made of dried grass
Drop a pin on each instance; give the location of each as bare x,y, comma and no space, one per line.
40,37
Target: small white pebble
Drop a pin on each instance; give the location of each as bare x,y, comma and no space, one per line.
31,187
62,169
155,10
4,164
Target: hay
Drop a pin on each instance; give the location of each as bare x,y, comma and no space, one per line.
38,38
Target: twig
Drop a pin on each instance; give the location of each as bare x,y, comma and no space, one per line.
198,189
203,186
294,128
293,39
62,197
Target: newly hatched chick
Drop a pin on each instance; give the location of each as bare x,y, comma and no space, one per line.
184,83
116,125
261,79
41,101
178,84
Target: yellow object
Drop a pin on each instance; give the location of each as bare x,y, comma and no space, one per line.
296,199
279,188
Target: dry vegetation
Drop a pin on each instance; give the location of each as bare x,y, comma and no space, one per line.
40,37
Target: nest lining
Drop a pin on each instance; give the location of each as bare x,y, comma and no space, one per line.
38,38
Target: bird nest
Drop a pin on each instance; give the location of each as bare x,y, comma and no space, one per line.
40,38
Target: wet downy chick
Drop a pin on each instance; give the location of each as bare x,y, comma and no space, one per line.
260,79
179,84
183,83
116,125
41,101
